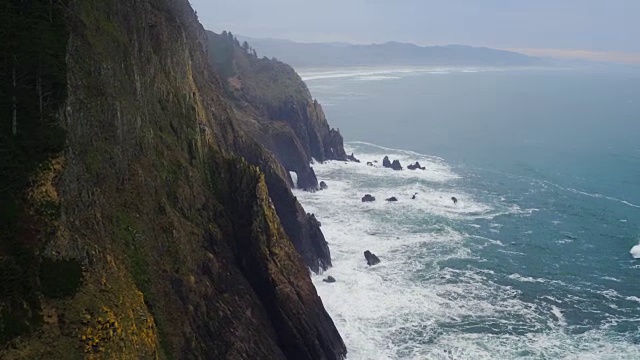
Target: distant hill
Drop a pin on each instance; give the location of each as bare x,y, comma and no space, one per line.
390,53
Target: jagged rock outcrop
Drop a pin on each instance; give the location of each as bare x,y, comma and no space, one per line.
353,158
143,234
323,185
416,166
395,165
303,229
371,258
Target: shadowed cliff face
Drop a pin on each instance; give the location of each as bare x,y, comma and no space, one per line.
165,244
274,107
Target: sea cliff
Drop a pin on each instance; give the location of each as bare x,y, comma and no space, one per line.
143,219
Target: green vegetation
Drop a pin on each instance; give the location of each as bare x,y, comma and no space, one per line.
266,83
32,88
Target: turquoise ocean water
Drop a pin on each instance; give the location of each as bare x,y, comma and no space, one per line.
533,262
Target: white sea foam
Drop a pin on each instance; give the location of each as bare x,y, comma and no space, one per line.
559,316
376,77
406,307
397,72
294,177
526,278
635,251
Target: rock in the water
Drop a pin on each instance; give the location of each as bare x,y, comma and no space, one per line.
369,163
323,185
414,196
386,162
352,158
372,259
395,165
393,198
416,166
329,279
368,198
455,201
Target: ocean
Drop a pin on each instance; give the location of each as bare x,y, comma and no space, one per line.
533,262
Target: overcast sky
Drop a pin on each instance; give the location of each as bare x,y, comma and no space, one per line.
591,26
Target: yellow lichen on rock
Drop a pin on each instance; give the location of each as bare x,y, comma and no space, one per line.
113,335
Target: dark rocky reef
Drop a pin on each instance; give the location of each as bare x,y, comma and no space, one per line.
392,199
416,166
368,198
144,234
353,158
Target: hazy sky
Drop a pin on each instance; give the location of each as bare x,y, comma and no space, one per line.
592,26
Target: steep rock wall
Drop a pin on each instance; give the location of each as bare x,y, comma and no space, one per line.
163,243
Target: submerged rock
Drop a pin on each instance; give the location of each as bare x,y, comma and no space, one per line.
372,259
454,199
393,198
369,163
416,166
329,279
414,196
323,185
368,198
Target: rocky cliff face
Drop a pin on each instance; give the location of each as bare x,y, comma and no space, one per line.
278,109
146,235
